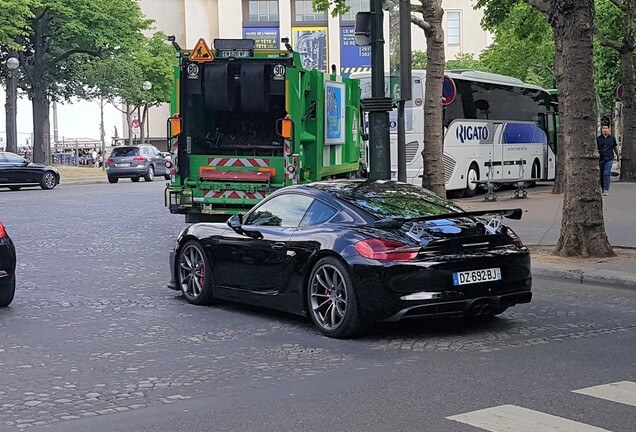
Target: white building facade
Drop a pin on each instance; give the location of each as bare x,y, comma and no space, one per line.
323,41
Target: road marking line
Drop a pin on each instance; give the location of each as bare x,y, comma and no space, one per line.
622,392
512,418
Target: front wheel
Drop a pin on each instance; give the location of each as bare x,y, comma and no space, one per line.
113,179
48,180
193,274
150,175
471,177
332,302
134,179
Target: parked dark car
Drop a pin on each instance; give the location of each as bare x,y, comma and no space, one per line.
7,268
17,172
135,162
350,253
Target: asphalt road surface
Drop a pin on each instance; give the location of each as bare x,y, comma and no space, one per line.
94,341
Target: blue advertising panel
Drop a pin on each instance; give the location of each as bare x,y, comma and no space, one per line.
264,37
352,57
334,113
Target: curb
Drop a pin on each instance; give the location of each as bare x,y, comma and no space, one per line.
600,277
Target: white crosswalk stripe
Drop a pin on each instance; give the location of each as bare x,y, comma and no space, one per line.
622,392
512,418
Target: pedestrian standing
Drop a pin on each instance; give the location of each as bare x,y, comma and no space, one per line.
607,149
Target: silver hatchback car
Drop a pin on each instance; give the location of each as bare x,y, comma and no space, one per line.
135,162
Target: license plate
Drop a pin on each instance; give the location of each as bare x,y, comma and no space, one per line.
476,276
234,53
122,165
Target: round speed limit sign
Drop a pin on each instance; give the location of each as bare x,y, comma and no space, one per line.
279,71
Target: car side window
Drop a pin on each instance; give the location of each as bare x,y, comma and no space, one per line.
2,158
156,151
144,151
285,211
318,212
13,158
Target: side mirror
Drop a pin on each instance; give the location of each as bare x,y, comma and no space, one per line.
235,222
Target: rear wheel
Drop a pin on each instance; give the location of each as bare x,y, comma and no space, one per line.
150,175
15,188
193,274
332,302
113,179
471,176
48,180
7,291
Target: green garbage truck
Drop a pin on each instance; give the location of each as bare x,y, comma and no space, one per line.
248,121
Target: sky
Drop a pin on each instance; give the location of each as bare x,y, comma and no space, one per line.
79,119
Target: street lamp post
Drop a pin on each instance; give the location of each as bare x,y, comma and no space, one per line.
147,86
12,64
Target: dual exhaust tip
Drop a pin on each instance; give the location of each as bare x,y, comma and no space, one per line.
480,307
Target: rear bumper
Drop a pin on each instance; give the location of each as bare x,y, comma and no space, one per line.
390,291
473,307
127,172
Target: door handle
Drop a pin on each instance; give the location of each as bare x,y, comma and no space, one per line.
278,245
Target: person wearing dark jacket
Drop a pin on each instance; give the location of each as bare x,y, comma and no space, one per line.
607,148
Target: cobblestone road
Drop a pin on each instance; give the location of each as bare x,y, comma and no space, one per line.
93,329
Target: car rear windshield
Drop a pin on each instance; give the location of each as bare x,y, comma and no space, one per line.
395,200
125,151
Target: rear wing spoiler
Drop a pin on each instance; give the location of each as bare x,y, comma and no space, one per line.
497,214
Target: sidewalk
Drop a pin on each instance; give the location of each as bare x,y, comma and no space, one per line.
540,229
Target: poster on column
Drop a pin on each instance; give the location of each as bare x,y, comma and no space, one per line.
334,113
264,37
353,58
311,44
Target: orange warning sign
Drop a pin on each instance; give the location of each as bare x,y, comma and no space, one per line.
201,52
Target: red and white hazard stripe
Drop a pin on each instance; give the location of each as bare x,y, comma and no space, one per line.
238,162
234,194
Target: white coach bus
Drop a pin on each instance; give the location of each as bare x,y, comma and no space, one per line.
496,127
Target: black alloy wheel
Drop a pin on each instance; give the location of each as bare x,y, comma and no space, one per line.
48,180
332,302
194,274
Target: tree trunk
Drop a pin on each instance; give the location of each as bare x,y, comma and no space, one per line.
433,154
559,187
41,126
628,145
129,112
582,226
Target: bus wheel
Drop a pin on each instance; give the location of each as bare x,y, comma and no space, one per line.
535,173
473,175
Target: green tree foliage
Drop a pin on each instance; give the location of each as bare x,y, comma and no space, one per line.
523,46
62,36
609,21
14,21
119,79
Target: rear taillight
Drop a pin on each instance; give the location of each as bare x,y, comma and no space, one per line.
386,250
111,160
139,159
3,233
516,240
